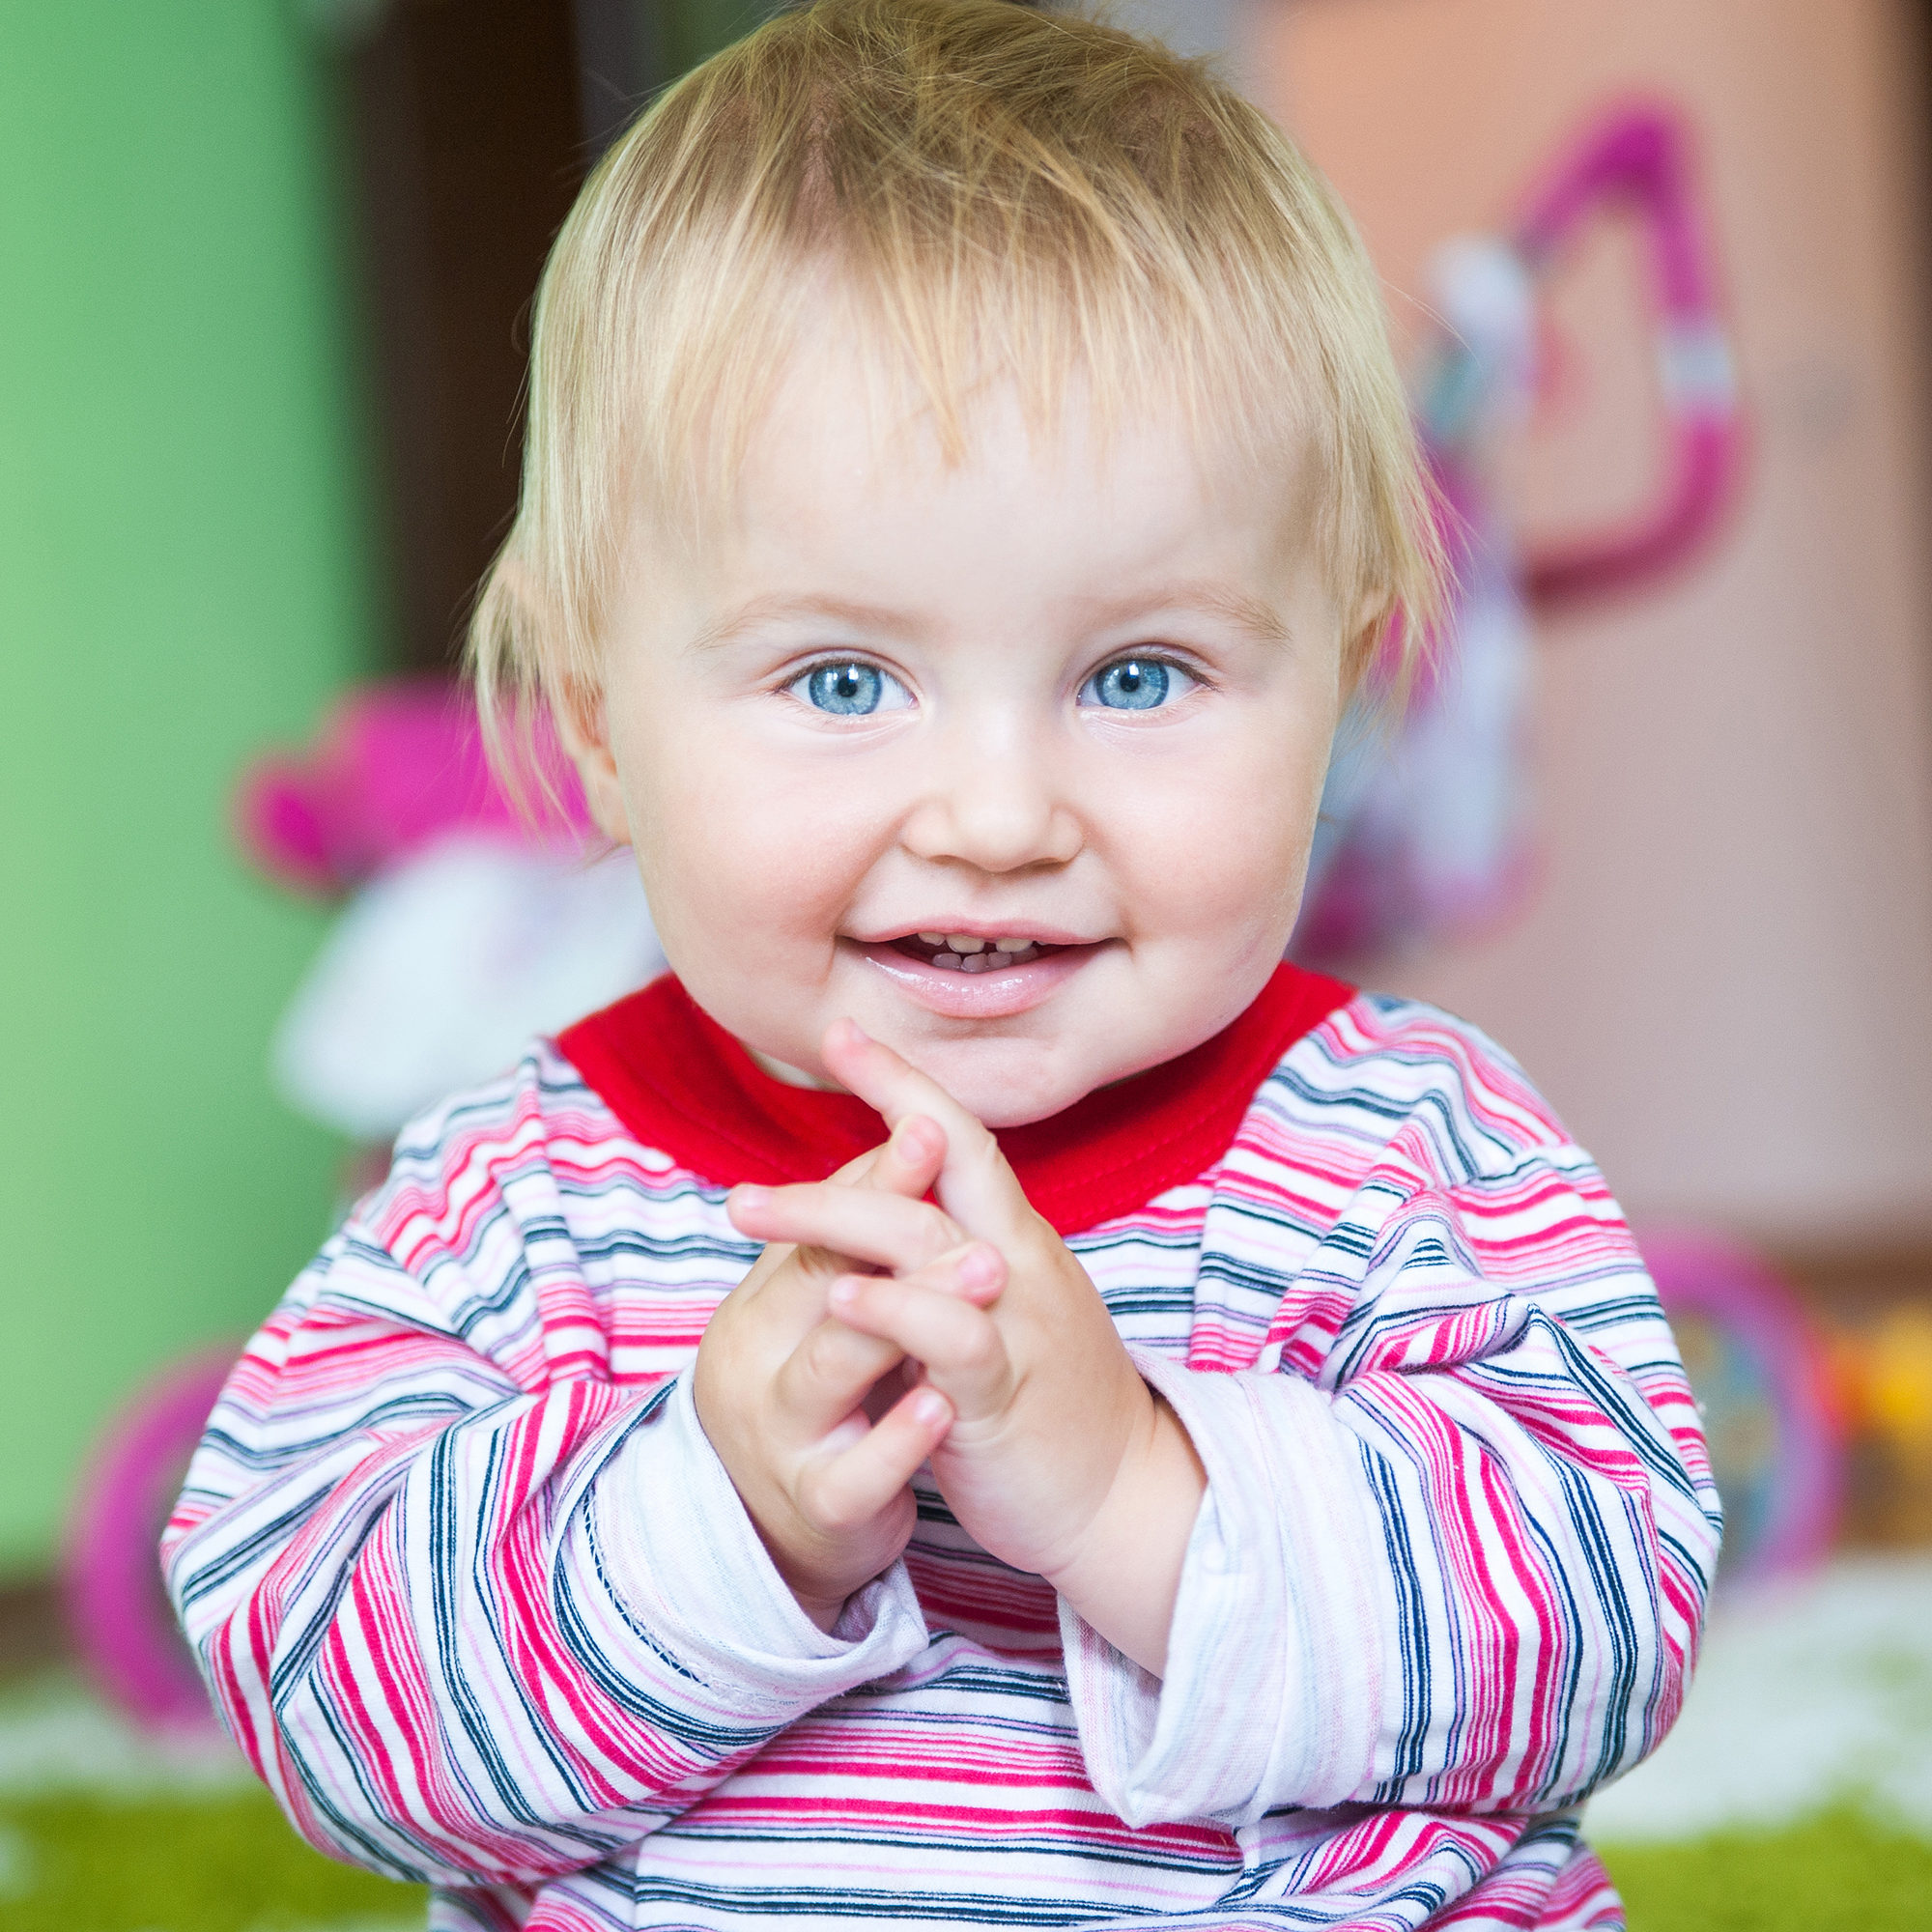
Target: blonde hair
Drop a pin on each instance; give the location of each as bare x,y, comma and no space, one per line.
1003,195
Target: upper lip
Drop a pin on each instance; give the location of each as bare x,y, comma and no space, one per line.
977,928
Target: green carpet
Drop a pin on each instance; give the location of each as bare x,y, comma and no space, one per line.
1837,1873
93,1865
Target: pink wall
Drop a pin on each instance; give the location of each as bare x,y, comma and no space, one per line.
1726,980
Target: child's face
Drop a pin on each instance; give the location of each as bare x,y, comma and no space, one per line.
1039,695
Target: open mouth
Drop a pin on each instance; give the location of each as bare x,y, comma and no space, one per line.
968,953
980,976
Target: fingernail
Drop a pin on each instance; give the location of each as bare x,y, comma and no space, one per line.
980,1266
843,1293
750,1196
929,1407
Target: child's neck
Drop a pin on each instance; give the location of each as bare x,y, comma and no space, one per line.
792,1076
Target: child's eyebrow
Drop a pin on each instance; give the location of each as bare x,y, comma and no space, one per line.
778,609
1260,620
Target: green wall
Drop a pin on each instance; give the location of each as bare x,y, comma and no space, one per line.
185,580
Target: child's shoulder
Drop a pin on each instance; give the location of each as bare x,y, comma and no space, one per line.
538,1143
541,1097
1390,1070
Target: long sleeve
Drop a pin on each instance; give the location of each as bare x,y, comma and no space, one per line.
1458,1524
479,1611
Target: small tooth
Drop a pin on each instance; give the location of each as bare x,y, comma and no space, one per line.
933,939
947,960
964,943
975,962
1012,945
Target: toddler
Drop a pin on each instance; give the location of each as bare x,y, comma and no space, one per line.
985,1398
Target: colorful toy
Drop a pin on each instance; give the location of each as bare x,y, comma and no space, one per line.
1772,1419
117,1613
1881,1373
395,769
1425,827
467,926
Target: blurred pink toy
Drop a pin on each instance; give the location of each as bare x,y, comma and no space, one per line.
467,928
117,1612
1425,831
1640,160
1762,1373
394,767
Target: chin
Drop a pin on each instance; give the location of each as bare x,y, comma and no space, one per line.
1003,1083
996,1116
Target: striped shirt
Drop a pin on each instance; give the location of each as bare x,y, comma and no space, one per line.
478,1601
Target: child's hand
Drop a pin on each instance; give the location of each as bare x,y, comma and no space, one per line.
800,1407
1059,1459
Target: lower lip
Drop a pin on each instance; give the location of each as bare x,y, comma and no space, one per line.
980,996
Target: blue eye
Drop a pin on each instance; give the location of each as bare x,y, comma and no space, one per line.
1134,684
850,690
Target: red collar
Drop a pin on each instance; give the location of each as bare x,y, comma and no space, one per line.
681,1084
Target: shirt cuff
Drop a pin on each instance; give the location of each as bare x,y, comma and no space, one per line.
1274,1678
683,1588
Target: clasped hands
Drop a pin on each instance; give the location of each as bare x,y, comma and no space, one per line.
878,1332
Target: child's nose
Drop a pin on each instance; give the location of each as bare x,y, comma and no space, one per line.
994,800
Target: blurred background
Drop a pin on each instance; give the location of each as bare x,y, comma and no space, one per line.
267,273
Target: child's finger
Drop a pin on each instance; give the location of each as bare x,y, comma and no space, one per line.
853,1485
907,1162
884,1229
958,1345
975,1184
826,1377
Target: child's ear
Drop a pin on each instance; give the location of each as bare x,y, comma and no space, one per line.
1360,639
581,724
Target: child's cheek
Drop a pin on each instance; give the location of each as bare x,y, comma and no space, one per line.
1223,856
750,856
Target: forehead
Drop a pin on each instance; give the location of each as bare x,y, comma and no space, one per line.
847,451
